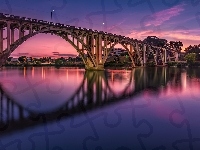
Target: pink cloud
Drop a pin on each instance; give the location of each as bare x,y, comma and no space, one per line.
160,17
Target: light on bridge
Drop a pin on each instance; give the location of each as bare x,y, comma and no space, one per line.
52,13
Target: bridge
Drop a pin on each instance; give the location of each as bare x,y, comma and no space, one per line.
93,46
95,91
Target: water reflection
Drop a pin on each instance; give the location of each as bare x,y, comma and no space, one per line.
96,89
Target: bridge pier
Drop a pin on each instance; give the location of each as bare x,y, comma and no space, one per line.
165,56
1,39
144,55
8,35
96,52
99,67
12,35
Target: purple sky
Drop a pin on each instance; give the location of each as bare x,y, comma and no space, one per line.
172,20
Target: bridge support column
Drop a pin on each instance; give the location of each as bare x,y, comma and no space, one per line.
99,49
1,40
23,32
105,47
92,44
100,64
155,57
30,29
8,36
12,35
138,53
131,55
98,55
144,55
165,56
20,32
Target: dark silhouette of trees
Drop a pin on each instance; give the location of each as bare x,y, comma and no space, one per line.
155,41
190,58
193,49
22,59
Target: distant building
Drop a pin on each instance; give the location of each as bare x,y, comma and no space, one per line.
29,59
14,60
117,51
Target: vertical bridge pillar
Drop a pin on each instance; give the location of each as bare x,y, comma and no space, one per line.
100,63
138,53
8,36
92,44
97,52
105,49
30,29
144,55
165,56
12,35
99,49
20,31
1,39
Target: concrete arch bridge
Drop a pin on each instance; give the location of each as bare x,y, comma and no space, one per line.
93,46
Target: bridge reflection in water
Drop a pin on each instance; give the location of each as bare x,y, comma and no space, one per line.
96,90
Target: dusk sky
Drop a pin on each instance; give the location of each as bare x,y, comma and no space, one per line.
170,19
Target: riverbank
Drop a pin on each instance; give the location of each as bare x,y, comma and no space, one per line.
114,66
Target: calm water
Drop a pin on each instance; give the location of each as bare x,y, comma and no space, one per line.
64,109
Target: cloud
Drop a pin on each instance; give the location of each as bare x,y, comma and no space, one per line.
160,17
55,53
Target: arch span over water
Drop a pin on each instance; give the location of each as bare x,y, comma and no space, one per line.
93,46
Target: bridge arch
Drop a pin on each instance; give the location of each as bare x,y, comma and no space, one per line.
7,52
92,45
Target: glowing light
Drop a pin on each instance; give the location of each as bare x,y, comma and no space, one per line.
24,71
103,23
67,74
33,72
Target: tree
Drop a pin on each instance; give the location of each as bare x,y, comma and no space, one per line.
155,41
58,62
22,59
194,49
190,58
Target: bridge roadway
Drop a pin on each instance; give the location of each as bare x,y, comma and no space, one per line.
93,93
93,46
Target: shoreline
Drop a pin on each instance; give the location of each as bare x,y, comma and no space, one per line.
106,68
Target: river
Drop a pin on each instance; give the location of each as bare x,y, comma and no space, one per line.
45,108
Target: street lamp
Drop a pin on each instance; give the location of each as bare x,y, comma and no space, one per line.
52,13
103,26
